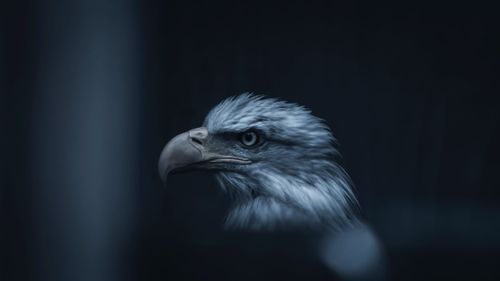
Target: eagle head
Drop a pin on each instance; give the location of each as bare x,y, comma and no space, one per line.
275,158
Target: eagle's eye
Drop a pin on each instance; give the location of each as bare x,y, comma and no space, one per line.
249,138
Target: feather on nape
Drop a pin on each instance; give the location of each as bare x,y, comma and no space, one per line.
297,181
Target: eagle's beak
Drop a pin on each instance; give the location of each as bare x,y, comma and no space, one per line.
189,150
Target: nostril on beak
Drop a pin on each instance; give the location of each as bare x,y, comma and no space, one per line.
196,140
198,135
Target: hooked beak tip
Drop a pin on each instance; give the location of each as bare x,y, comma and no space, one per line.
187,151
179,152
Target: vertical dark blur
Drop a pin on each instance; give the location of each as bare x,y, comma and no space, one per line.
85,137
92,90
80,151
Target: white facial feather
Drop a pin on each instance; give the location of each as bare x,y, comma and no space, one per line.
299,183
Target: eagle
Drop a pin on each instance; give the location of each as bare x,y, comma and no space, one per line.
279,164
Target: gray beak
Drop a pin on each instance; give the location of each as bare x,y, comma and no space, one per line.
188,150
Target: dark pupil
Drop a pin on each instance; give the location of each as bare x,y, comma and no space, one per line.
248,137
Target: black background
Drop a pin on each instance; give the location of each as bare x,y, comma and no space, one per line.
410,91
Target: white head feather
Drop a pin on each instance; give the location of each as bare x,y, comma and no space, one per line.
294,180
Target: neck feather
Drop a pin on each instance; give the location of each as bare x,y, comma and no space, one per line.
270,200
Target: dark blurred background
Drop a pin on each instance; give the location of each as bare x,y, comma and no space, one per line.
92,90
